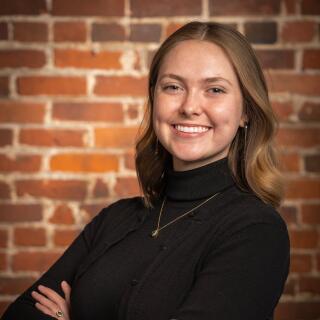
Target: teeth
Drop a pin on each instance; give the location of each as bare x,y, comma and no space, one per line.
191,129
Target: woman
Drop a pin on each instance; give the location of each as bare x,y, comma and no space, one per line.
205,241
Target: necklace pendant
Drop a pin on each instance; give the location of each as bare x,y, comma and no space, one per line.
154,233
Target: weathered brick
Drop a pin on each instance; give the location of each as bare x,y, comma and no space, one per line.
243,7
62,215
51,85
133,111
105,8
310,214
6,137
3,261
74,162
172,27
290,285
145,32
14,285
120,86
298,31
303,188
310,7
107,32
276,59
4,304
28,236
290,6
300,263
312,163
310,112
20,163
4,191
126,187
69,32
4,86
129,161
303,239
104,112
18,7
20,212
3,239
261,32
52,137
30,31
119,137
306,84
101,189
3,31
283,110
63,238
33,260
290,162
299,137
52,189
311,59
18,58
289,214
91,210
309,284
21,112
296,310
164,8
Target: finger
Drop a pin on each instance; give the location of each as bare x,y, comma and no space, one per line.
51,294
66,290
45,302
44,309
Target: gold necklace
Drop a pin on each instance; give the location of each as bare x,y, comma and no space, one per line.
155,232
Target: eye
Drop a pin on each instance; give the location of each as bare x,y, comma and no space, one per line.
171,88
216,90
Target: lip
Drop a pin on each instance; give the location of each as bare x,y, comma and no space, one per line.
190,125
189,134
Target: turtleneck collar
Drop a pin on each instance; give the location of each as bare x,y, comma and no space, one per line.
200,182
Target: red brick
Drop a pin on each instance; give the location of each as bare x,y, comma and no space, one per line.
52,137
3,261
309,284
172,27
104,112
127,187
299,137
298,31
18,7
290,162
74,162
15,285
28,236
295,310
289,214
145,32
303,239
164,8
62,215
117,137
310,7
52,85
276,59
4,304
30,32
64,237
290,285
65,58
33,260
107,32
311,59
19,112
6,137
20,163
18,58
3,239
318,261
52,189
303,188
20,213
4,31
133,112
101,189
243,7
4,191
69,31
300,263
312,163
310,214
4,86
261,32
121,86
105,8
91,210
129,161
310,112
290,6
283,110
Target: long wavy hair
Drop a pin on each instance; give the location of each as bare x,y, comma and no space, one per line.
252,156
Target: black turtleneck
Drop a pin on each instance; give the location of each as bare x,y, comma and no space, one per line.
106,287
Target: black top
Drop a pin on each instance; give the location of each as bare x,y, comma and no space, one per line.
233,266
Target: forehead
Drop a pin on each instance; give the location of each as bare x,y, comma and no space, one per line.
197,58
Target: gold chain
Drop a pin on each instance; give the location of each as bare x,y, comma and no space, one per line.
155,232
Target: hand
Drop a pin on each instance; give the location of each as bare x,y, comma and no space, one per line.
51,303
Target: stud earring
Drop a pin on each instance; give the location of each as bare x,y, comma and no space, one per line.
245,133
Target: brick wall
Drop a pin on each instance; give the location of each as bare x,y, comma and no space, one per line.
72,87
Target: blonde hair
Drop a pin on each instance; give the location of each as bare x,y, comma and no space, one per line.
252,156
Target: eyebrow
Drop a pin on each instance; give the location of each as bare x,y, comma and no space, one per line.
208,80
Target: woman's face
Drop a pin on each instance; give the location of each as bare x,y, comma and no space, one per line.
197,104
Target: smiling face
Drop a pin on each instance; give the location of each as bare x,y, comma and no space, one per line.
197,104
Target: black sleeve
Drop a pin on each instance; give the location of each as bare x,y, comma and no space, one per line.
63,269
242,278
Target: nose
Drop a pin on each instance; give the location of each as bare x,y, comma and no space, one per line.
190,105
